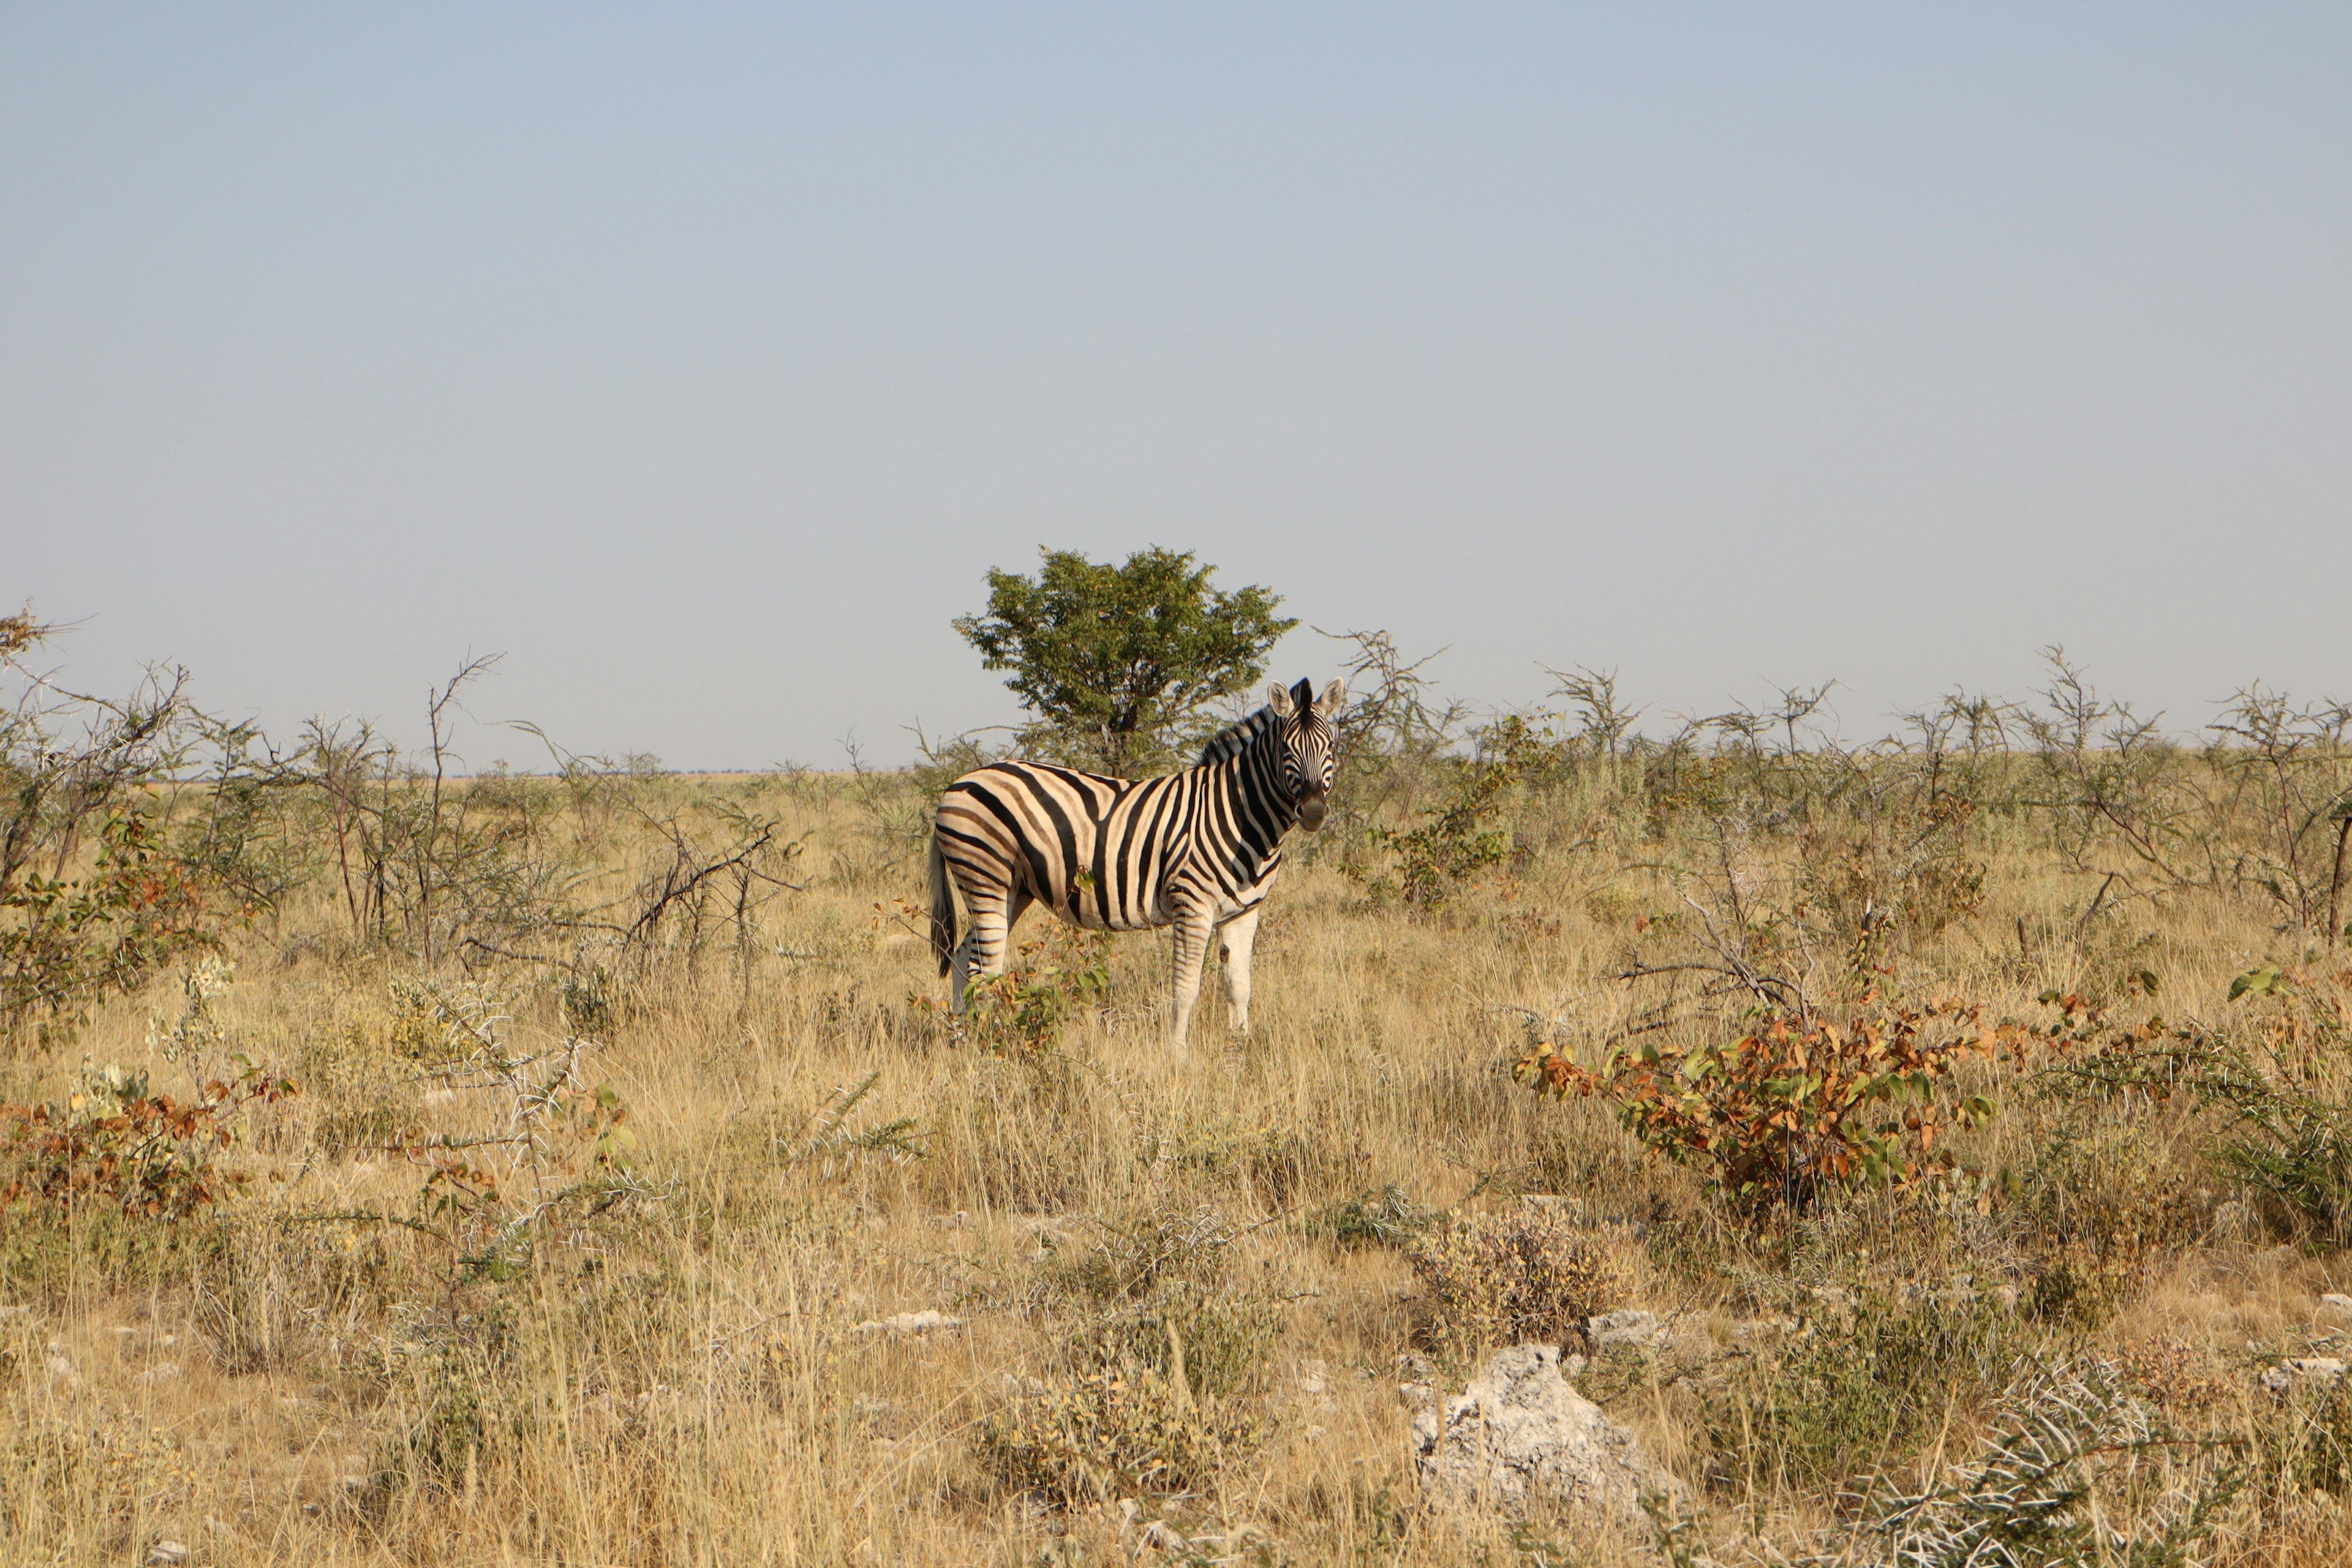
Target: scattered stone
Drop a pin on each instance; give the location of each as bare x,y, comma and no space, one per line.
166,1554
162,1372
1748,1328
927,1322
1521,1438
1160,1537
1628,1327
61,1367
2338,1304
1311,1380
2301,1372
10,1314
1413,1396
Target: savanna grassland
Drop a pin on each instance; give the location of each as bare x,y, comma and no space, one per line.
555,1168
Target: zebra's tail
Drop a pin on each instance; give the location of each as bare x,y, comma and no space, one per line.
944,932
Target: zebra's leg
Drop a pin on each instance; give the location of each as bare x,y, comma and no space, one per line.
982,952
1237,938
1191,948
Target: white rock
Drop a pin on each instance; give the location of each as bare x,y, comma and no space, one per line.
166,1553
1521,1440
931,1322
60,1367
1625,1328
2339,1304
162,1372
1748,1328
1160,1538
2302,1371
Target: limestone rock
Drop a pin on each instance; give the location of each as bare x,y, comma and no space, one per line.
1521,1440
930,1322
1623,1328
2301,1372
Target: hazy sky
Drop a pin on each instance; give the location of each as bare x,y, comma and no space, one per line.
702,359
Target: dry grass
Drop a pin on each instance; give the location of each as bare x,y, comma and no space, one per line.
1187,1286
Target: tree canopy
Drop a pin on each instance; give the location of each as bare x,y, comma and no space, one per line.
1114,660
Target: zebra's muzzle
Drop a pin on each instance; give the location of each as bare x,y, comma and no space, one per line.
1310,811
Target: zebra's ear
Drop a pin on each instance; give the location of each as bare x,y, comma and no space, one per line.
1278,696
1335,696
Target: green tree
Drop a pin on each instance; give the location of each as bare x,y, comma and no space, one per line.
1113,659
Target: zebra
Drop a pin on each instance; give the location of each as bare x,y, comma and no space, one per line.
1196,849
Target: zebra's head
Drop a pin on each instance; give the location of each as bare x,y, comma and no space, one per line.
1310,760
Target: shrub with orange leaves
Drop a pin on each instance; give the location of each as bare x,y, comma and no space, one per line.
1798,1104
119,1147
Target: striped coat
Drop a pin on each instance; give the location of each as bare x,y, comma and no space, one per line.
1196,849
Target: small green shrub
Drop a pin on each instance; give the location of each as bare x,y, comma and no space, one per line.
1427,865
1159,1398
1503,1279
2275,1068
1385,1218
1862,1389
1133,1256
1050,983
1108,1432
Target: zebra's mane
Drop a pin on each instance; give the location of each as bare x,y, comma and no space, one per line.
1234,739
